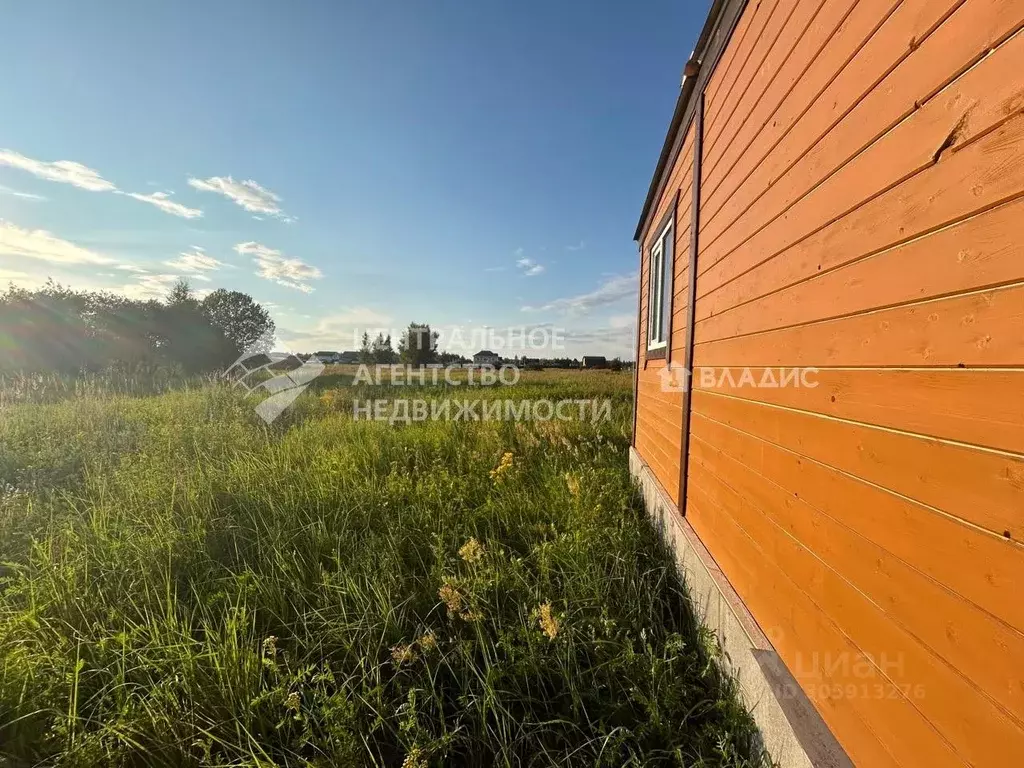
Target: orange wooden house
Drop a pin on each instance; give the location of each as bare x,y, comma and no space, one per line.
833,243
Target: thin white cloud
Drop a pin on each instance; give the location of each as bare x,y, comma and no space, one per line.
12,275
495,269
62,171
247,194
195,262
529,267
41,245
162,200
275,266
579,247
151,286
144,286
614,289
83,177
23,195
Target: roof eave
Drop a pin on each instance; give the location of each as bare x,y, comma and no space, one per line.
698,68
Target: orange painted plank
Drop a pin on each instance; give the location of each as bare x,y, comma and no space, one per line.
720,111
985,174
934,544
739,44
680,177
801,633
983,408
655,450
788,23
664,406
665,420
946,705
856,109
667,436
981,487
819,656
984,649
666,474
681,279
665,441
658,429
977,329
980,252
665,417
988,94
856,30
720,159
678,344
661,455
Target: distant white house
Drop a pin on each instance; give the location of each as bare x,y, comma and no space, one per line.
486,357
334,358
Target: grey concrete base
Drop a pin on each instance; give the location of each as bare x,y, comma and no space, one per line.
791,728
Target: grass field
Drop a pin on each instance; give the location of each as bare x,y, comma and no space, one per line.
182,585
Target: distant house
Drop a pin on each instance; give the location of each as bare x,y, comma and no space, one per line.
348,357
486,357
594,361
327,357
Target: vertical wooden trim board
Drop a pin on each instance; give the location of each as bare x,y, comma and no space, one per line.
639,342
691,295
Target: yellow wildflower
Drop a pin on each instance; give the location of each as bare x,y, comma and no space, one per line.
503,468
457,603
293,702
451,597
270,646
573,483
548,622
416,758
428,641
472,551
403,654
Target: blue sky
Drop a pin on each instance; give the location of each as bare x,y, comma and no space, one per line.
349,164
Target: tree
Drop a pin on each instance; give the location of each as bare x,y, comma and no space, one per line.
54,328
185,336
450,358
44,330
242,321
418,345
365,349
381,350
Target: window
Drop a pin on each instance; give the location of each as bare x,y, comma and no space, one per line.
659,289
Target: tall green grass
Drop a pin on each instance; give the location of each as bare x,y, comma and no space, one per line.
36,388
182,585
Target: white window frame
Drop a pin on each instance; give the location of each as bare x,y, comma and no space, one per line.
660,261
